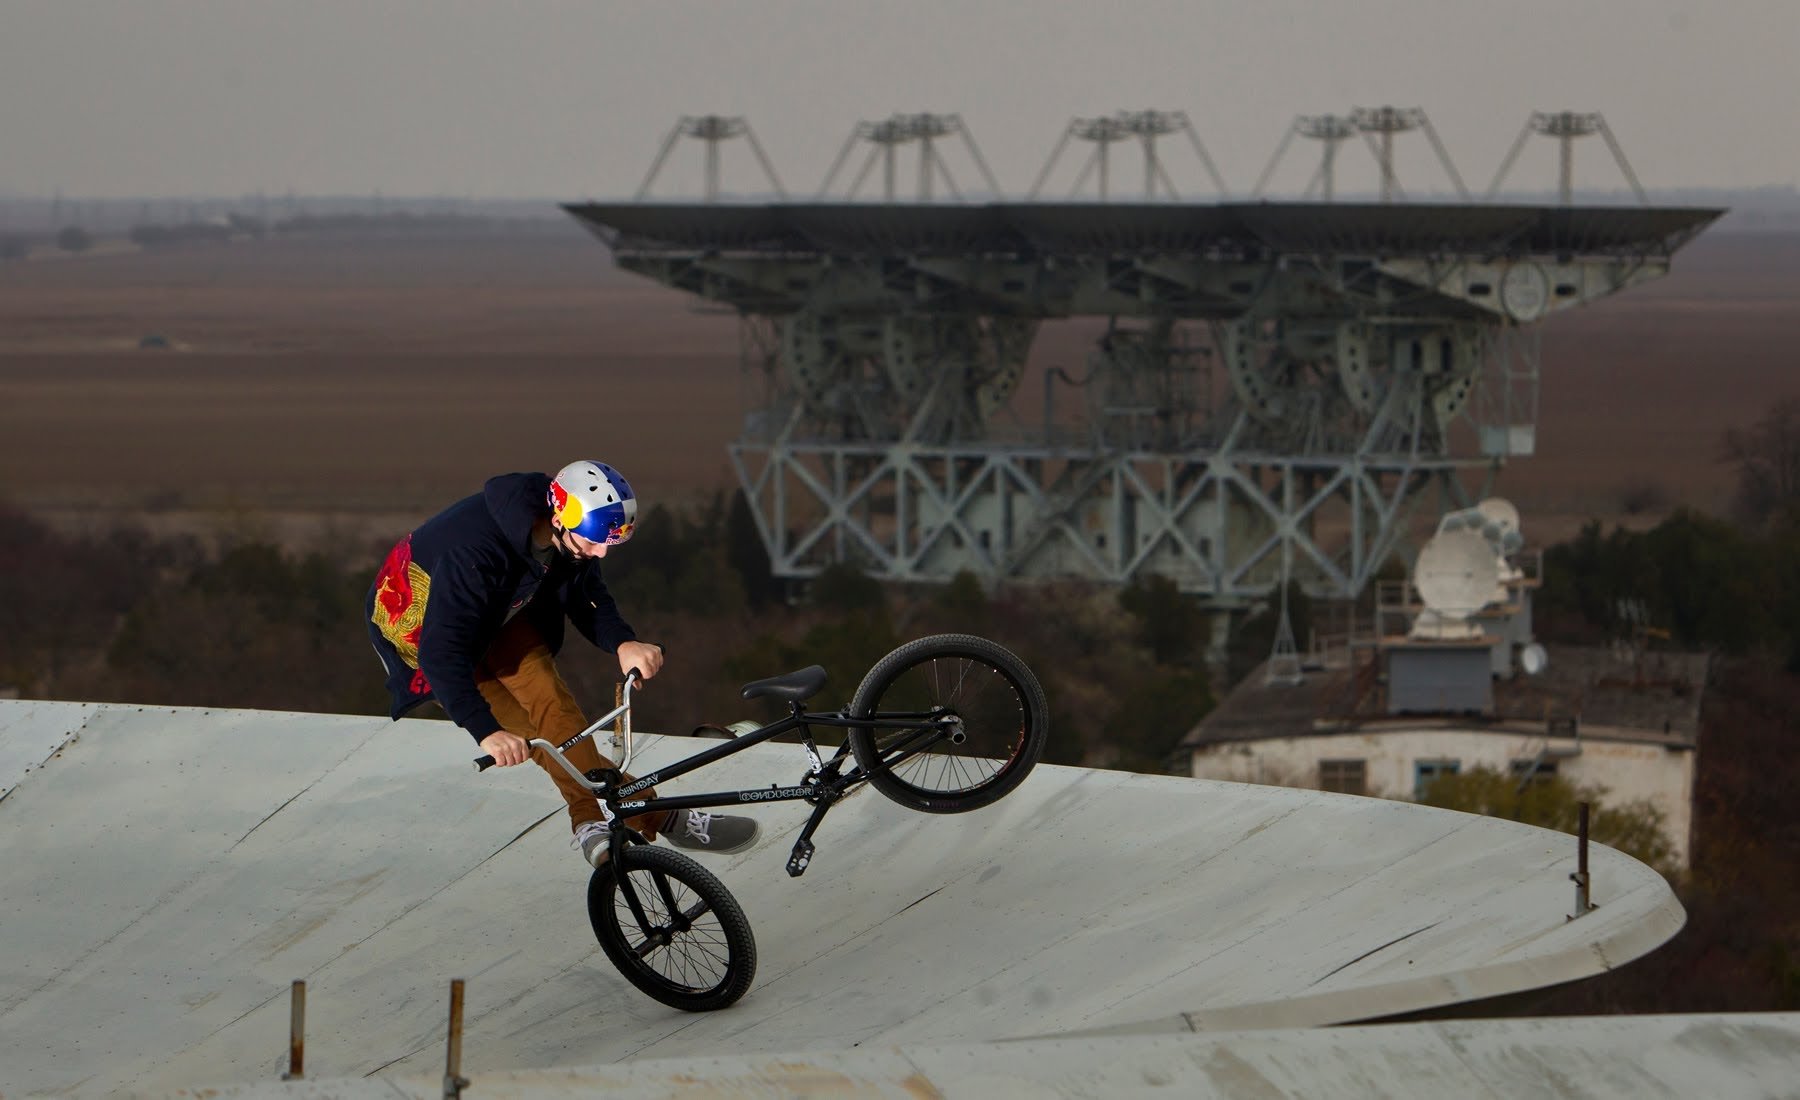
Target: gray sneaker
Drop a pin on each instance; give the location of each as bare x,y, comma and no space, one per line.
699,831
592,839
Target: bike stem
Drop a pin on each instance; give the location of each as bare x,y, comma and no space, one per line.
623,710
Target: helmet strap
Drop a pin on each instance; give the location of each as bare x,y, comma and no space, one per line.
559,540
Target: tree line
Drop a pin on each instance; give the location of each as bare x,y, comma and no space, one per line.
242,621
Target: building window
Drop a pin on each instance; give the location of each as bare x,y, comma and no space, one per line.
1425,772
1342,776
1532,771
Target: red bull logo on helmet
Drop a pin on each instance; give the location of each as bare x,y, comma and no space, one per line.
565,508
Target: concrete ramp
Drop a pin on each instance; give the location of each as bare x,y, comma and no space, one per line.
167,873
1721,1057
31,736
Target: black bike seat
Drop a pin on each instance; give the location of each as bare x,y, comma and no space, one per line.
792,687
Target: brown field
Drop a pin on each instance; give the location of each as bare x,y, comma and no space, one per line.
376,379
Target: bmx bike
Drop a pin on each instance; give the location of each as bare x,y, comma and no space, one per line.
944,724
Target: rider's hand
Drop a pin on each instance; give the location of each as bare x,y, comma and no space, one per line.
507,749
644,657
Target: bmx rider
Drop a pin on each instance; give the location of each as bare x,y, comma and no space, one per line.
468,611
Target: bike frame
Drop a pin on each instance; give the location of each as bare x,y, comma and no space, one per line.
822,785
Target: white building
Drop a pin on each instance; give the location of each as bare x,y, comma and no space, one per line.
1388,713
1593,717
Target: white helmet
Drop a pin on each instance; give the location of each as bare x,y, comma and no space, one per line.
593,500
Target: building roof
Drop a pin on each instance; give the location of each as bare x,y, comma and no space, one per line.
1613,695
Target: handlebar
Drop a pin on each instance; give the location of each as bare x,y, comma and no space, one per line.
632,678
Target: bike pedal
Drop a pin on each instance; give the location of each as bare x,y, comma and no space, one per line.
803,853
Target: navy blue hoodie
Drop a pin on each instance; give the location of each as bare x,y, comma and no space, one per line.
446,590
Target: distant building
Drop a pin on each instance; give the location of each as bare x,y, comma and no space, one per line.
1384,714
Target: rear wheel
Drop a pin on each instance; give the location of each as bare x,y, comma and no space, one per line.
981,723
688,944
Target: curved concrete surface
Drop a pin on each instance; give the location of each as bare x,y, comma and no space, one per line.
168,872
29,739
1722,1057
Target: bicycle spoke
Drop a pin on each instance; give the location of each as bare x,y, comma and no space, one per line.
672,929
695,958
991,712
988,709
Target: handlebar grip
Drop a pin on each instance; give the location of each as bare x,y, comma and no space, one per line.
483,763
638,673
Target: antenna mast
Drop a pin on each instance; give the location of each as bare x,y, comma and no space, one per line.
711,129
1377,125
888,135
1565,127
1147,127
1388,121
1330,131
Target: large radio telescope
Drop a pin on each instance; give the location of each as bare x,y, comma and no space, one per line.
1277,385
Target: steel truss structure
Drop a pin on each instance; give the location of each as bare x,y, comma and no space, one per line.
1277,388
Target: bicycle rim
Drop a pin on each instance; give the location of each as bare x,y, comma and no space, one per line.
692,948
993,729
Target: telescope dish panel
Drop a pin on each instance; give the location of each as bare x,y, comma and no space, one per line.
1457,573
1533,659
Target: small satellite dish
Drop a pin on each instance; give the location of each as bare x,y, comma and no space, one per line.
1533,659
1500,523
1500,512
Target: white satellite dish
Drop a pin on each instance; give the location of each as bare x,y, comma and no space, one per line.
1500,512
1457,575
1533,659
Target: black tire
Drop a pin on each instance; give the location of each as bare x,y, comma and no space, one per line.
702,960
1004,722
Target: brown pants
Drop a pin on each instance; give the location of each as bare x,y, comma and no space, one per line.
518,678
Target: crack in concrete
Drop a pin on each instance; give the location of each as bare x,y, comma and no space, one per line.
1373,950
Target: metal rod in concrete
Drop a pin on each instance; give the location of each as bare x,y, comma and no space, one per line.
297,1035
1580,877
454,1081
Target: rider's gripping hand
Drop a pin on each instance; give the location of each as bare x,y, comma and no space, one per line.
507,749
644,657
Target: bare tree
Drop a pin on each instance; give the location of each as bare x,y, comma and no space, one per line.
1767,457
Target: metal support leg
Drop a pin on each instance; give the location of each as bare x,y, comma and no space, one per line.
297,1036
1580,877
454,1081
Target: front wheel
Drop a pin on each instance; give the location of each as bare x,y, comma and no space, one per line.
686,940
978,723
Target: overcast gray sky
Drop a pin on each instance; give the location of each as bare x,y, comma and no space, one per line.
545,98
